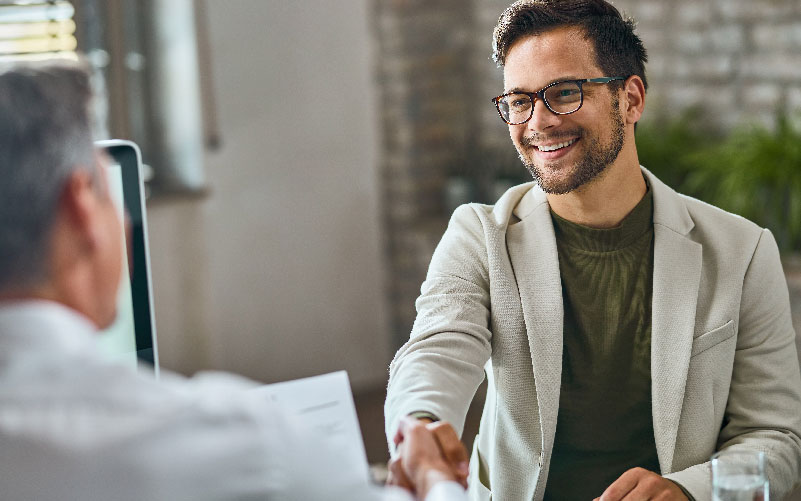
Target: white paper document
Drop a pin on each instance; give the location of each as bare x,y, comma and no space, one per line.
322,407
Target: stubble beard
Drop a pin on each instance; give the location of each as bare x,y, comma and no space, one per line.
594,162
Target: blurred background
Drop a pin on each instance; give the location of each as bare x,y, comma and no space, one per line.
305,156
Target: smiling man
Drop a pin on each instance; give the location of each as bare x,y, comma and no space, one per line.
627,332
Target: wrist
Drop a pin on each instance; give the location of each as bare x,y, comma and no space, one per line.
683,490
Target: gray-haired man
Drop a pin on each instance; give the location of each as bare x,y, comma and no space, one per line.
74,426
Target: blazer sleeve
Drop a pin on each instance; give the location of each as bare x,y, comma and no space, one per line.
439,369
763,412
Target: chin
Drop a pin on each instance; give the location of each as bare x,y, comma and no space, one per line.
554,181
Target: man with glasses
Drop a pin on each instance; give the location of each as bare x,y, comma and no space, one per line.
627,332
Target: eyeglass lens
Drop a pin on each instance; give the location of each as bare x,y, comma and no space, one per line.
564,97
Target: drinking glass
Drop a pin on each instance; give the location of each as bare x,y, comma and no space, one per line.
739,476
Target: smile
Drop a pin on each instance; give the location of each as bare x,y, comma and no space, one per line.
554,147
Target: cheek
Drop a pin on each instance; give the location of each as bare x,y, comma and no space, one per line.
116,237
516,133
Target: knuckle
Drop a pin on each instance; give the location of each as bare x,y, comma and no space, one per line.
652,483
451,447
663,496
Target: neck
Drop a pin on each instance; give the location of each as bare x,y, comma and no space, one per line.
65,290
28,294
42,292
606,200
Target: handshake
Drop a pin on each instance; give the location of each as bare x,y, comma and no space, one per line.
427,453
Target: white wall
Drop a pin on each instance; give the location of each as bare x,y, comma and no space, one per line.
277,273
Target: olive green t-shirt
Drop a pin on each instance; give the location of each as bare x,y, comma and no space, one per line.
604,426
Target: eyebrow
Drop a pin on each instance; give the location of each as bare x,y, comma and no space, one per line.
523,90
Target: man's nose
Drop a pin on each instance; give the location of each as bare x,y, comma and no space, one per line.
542,118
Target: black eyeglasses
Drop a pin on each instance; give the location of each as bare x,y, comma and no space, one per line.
561,98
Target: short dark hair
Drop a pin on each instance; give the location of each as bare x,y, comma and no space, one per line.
45,136
618,50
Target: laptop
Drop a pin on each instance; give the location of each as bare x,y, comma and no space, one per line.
132,337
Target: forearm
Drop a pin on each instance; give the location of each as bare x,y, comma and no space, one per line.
439,369
439,387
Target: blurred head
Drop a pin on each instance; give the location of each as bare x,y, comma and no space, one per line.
58,226
618,50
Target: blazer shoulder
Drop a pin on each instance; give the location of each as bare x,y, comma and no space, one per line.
707,216
515,204
684,214
724,235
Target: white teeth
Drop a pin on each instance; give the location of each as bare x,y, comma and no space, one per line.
555,147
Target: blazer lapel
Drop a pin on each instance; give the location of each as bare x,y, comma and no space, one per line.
677,274
534,258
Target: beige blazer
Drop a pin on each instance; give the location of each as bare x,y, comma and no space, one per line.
723,361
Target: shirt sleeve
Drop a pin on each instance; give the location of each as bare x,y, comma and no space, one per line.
446,491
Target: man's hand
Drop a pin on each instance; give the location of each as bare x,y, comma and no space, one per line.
427,454
639,484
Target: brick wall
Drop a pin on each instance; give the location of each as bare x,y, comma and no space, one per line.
443,142
423,55
740,57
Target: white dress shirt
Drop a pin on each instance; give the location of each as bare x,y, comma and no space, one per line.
76,426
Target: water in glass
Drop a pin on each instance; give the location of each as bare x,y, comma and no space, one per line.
741,488
739,475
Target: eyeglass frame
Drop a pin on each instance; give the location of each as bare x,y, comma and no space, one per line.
540,94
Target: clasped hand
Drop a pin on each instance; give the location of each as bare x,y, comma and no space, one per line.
427,453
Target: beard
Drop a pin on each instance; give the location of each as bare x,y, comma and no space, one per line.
596,159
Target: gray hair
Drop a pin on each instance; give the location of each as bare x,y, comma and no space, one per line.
45,136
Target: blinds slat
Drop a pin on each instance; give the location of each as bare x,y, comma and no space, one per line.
37,29
41,56
31,12
45,44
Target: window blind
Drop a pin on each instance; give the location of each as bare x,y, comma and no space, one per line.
31,29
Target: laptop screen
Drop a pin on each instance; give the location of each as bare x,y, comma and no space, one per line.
132,337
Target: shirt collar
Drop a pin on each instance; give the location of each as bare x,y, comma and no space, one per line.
43,325
636,224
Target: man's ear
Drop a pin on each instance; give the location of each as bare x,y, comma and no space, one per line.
79,206
634,101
